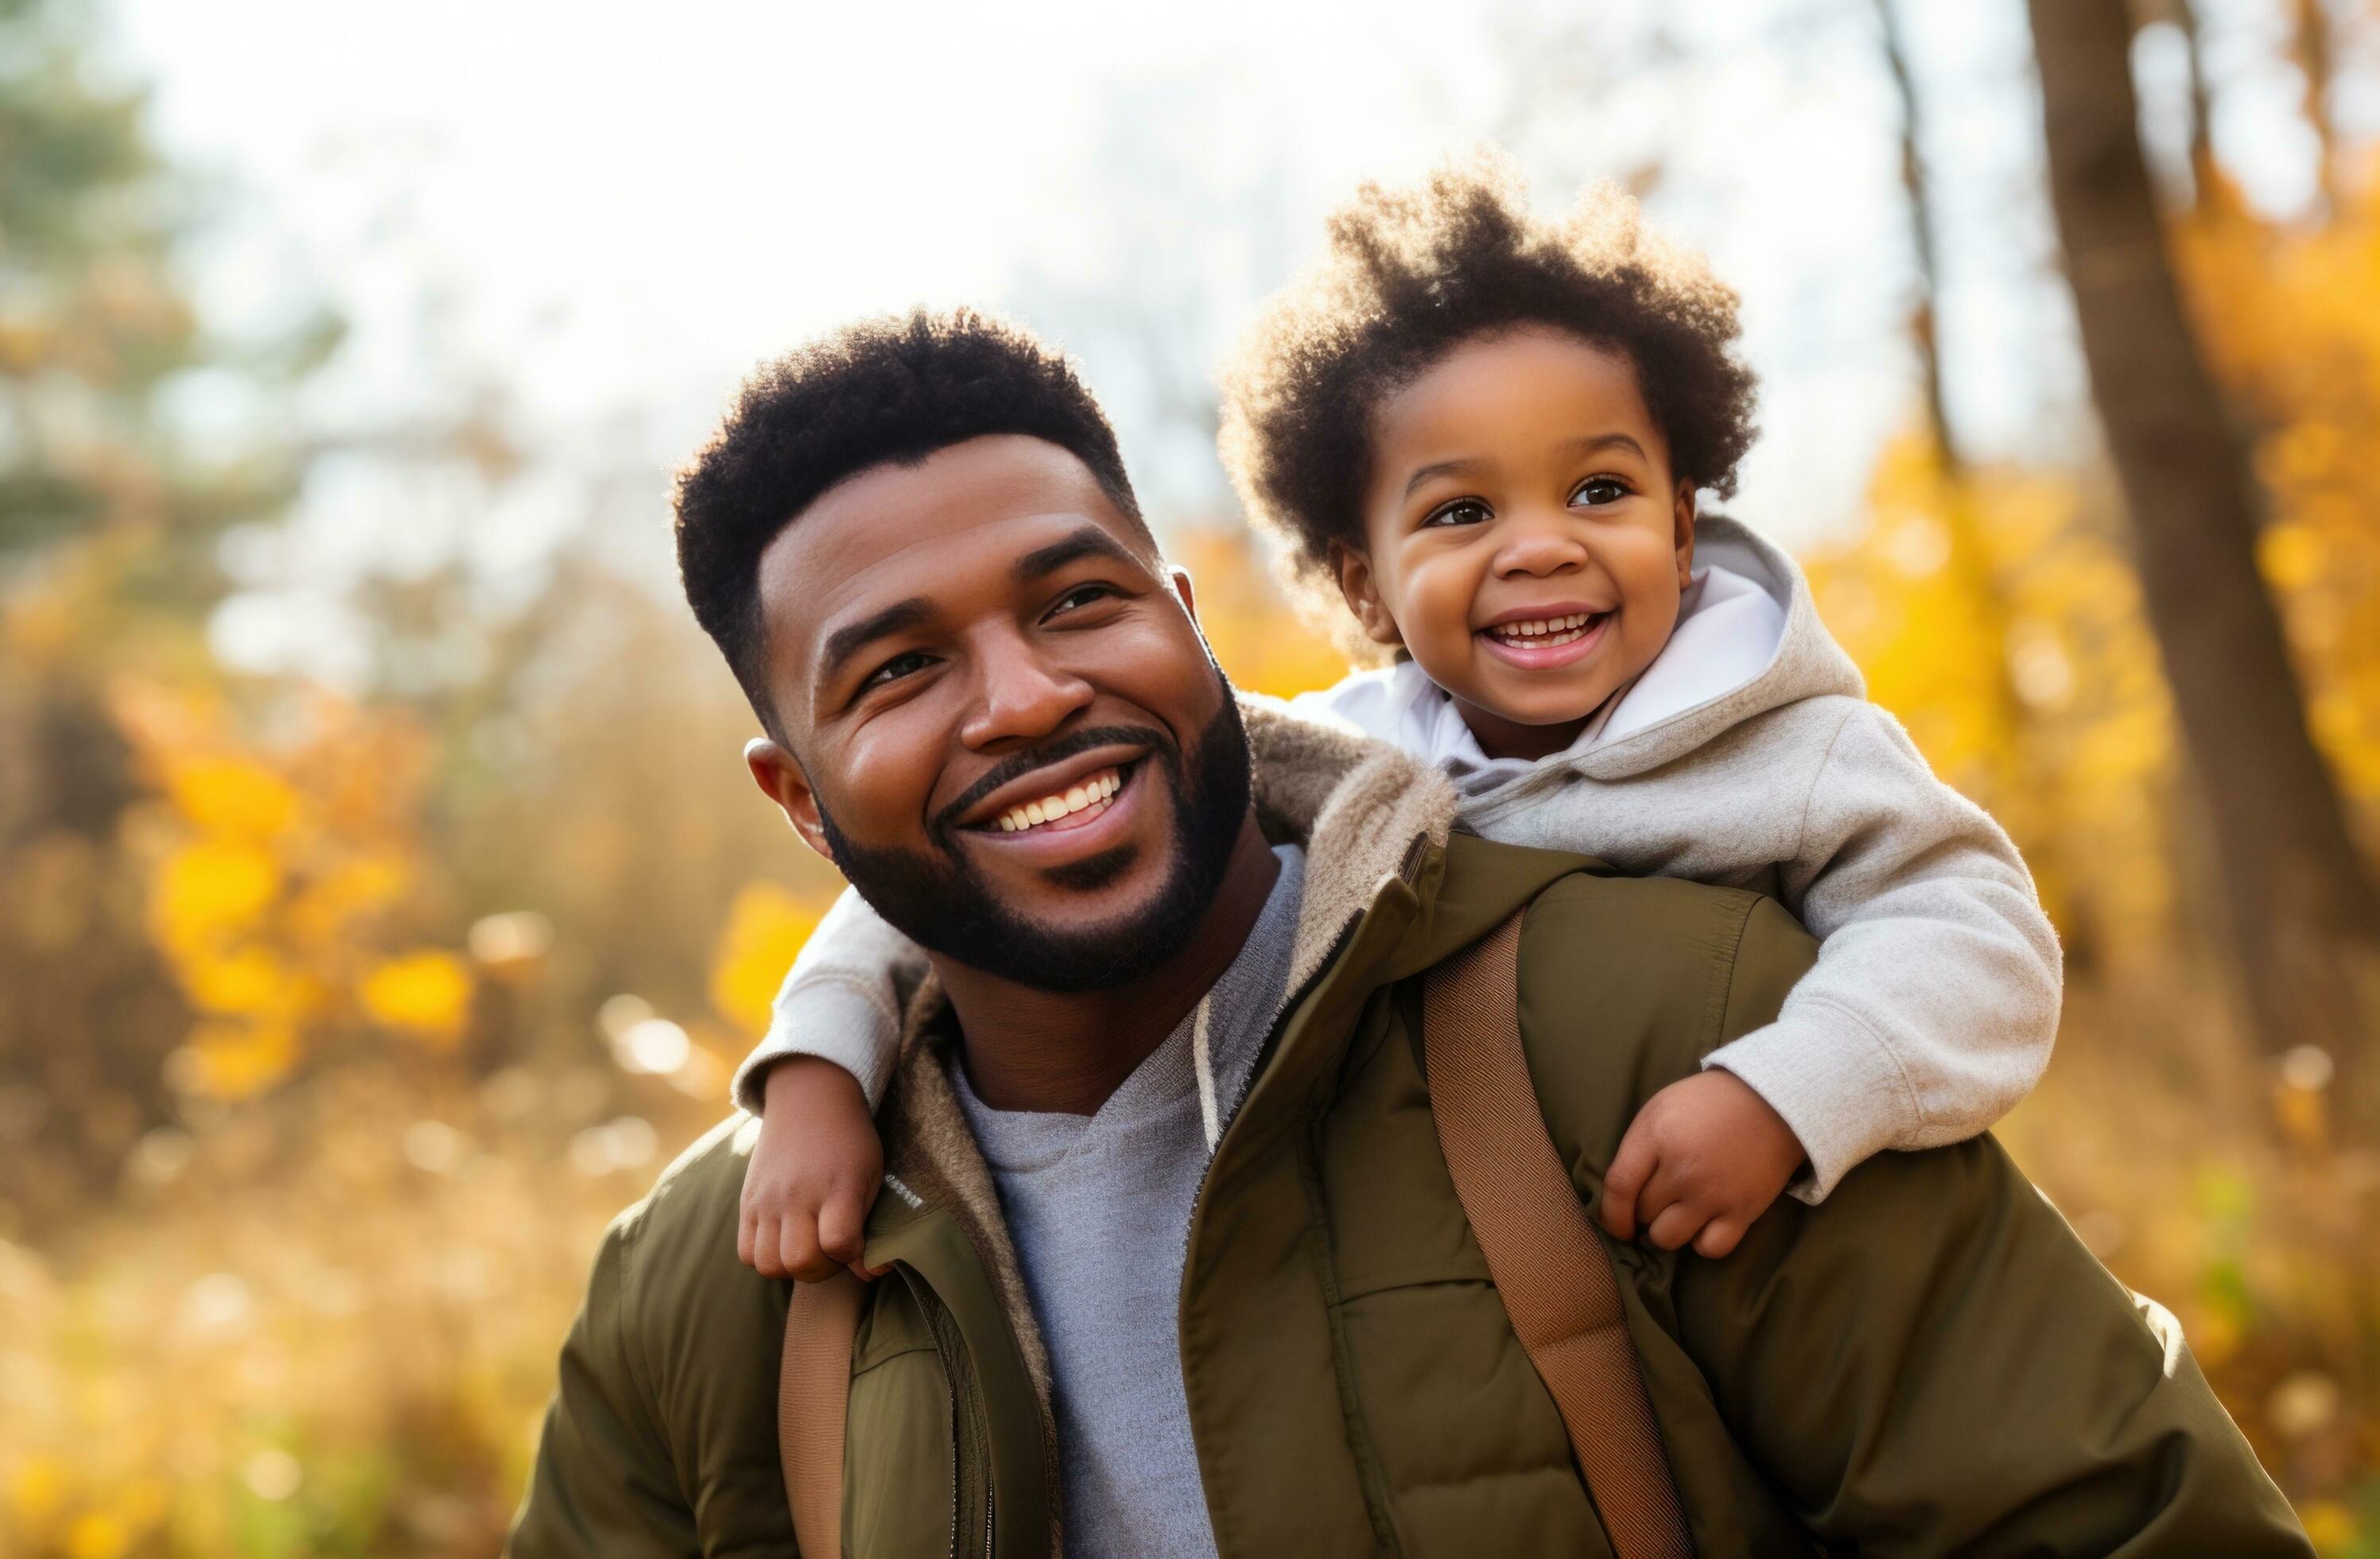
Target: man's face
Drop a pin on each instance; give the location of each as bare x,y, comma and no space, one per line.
1006,728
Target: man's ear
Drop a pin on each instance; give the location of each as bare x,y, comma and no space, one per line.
1181,578
781,780
1685,522
1363,595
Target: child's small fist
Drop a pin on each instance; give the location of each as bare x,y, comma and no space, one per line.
1703,1159
813,1174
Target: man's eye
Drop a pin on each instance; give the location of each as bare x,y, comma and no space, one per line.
1461,511
1596,490
896,668
1081,596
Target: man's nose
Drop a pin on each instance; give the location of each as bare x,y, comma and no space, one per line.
1539,545
1022,695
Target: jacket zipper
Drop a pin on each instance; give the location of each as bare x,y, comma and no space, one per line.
1415,852
1256,1069
970,1459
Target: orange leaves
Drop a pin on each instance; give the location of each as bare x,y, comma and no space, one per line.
272,869
233,1060
766,926
233,797
2291,318
1254,632
425,994
210,891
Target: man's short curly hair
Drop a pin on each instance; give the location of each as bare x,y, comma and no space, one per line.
1412,272
885,391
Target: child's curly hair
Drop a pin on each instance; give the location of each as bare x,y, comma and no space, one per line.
1410,273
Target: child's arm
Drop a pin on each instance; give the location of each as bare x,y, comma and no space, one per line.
1934,1002
814,1081
841,1001
1930,1012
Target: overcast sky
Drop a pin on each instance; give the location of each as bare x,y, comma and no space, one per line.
611,211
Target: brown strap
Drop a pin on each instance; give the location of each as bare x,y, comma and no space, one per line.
813,1392
1550,1267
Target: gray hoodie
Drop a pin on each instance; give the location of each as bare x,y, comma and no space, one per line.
1745,755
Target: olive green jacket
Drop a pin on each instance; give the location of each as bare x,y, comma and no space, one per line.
1927,1362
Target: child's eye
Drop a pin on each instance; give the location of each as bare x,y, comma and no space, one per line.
896,668
1596,490
1461,511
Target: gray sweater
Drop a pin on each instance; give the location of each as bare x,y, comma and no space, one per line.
1746,755
1100,1208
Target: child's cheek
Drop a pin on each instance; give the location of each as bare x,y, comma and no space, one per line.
1435,618
1650,619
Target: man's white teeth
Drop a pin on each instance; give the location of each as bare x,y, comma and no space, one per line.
1549,630
1095,791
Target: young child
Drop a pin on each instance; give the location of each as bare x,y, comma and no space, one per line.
1486,436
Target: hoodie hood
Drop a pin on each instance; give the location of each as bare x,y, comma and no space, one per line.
1748,640
1803,663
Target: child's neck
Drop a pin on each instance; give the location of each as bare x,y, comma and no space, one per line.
1501,737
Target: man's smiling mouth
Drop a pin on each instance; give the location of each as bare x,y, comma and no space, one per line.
1064,795
1078,803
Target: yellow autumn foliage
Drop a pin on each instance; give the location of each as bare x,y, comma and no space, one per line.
228,796
425,994
208,890
766,926
2288,315
323,1319
1261,644
233,1060
273,866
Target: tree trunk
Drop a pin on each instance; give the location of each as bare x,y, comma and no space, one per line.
2314,57
1924,326
2302,914
1970,554
2201,101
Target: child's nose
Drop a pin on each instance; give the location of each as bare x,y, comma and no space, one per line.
1536,548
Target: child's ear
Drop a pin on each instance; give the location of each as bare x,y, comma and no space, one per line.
781,779
1684,523
1363,595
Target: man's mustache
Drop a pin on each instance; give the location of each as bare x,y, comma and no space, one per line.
1058,752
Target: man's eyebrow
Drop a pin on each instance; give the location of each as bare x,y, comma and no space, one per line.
1089,541
848,640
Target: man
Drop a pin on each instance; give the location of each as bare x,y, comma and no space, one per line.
1173,1263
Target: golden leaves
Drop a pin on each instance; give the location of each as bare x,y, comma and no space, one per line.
273,867
2291,316
232,796
426,994
233,1060
766,927
1258,639
209,890
2004,626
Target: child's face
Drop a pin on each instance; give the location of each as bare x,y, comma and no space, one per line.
1518,482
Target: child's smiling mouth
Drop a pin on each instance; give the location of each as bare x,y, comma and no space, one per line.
1546,639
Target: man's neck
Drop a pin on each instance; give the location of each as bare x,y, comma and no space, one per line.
1027,1049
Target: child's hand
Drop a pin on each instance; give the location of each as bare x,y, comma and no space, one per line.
813,1174
1703,1159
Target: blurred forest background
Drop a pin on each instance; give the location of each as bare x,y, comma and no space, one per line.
363,951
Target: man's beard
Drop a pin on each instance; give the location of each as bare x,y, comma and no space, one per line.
941,902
